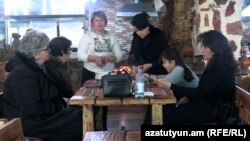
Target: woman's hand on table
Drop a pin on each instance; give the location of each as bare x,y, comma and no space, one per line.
163,83
149,78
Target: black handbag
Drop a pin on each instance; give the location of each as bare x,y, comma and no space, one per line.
116,85
226,113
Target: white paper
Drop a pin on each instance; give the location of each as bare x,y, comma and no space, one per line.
76,97
148,94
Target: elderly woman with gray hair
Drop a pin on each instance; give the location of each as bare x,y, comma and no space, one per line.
29,93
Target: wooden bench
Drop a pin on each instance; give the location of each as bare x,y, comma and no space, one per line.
12,131
113,136
3,121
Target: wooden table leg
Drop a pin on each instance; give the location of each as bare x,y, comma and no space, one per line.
157,116
87,119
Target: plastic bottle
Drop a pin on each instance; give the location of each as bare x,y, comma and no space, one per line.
139,84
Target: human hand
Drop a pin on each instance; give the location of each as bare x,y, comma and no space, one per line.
146,67
134,70
162,83
100,61
149,78
182,100
110,58
146,75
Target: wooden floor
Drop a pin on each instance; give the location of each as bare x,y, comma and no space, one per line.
128,117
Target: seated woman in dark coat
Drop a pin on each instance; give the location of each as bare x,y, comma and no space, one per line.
56,66
29,93
216,84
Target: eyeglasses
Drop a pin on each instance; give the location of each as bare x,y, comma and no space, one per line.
69,50
46,49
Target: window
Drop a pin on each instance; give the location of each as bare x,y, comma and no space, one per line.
43,7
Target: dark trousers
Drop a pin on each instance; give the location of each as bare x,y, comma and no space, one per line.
65,125
189,113
87,75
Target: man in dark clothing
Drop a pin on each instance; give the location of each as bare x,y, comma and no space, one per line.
147,45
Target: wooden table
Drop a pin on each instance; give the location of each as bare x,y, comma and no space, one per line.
113,136
87,97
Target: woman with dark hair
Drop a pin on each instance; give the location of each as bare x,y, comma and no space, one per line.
216,85
56,66
147,45
31,94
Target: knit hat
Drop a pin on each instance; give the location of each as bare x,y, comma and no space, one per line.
140,21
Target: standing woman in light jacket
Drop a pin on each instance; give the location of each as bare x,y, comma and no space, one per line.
29,93
98,49
217,84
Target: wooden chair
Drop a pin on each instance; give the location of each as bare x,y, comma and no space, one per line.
12,131
242,101
14,126
244,82
133,136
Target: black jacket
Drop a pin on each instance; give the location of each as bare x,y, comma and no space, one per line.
31,95
59,73
148,50
217,83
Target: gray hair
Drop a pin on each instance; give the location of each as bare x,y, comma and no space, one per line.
32,43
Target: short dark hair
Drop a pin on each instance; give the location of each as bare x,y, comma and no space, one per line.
100,14
140,21
59,44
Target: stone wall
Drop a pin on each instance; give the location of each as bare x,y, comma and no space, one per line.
221,15
182,26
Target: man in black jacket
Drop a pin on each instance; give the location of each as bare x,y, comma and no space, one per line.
147,45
